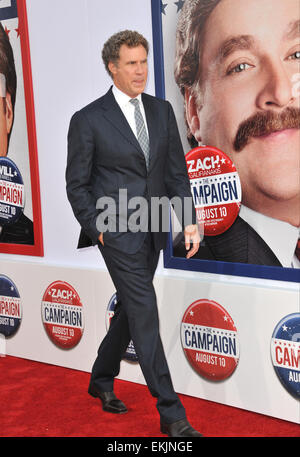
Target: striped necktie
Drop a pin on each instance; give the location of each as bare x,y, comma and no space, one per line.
141,130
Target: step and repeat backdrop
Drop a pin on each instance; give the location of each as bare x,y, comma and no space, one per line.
229,343
230,318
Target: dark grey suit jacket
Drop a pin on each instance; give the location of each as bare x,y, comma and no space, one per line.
105,156
240,243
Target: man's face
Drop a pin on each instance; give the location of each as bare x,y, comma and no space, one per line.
6,116
131,70
249,66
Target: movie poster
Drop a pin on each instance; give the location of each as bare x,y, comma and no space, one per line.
234,86
20,212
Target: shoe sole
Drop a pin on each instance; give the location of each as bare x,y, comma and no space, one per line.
164,430
94,394
114,412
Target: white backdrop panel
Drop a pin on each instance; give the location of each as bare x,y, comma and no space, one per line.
253,385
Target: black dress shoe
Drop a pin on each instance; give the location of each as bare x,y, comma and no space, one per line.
110,403
179,429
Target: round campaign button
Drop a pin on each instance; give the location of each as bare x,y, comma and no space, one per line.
285,351
209,339
62,314
216,188
130,354
10,307
12,193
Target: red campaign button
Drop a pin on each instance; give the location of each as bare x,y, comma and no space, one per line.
12,192
216,188
209,340
62,314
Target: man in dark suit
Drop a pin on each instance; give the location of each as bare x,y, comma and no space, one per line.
129,140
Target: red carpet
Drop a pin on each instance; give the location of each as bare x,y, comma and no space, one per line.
40,400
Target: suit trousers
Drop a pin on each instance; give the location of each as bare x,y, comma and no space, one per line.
136,318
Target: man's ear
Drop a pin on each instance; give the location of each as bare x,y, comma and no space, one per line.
9,113
192,116
112,68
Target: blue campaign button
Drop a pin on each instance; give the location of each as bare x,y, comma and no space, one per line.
10,307
12,192
130,354
285,350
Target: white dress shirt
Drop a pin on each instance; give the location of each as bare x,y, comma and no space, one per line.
127,108
281,237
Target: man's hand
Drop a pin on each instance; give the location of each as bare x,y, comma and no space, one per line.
191,235
100,238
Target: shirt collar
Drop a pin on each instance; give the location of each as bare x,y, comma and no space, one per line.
280,236
122,98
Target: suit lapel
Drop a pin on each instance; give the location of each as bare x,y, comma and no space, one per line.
113,114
